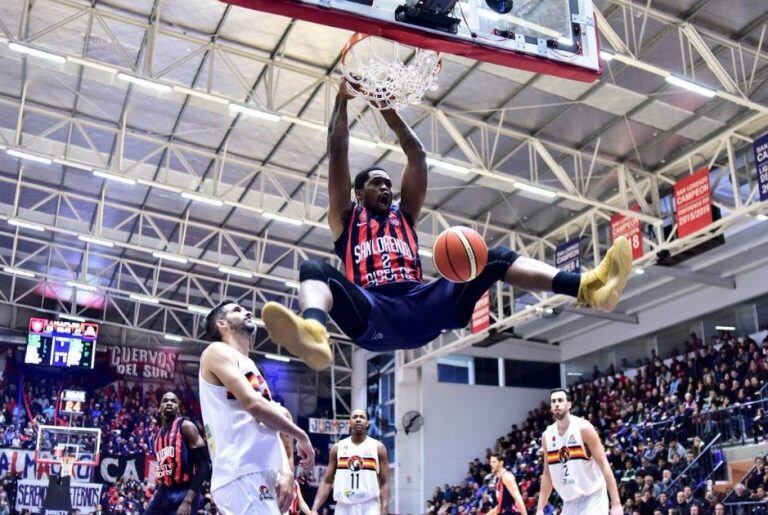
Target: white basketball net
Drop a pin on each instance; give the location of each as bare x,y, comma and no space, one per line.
376,71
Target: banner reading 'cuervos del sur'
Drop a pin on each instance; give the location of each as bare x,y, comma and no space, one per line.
145,363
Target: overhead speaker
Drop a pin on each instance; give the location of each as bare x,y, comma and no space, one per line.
500,6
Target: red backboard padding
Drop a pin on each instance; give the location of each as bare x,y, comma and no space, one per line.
419,38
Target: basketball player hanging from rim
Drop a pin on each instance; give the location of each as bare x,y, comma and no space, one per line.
381,301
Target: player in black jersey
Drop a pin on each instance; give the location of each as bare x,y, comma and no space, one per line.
182,462
508,498
381,301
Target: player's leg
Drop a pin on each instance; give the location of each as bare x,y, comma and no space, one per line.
323,292
599,288
254,494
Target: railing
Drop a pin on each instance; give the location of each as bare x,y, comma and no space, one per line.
736,423
747,508
743,480
709,459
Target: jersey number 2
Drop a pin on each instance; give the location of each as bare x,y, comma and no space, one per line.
565,467
355,480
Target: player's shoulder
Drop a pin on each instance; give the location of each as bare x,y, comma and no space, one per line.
216,351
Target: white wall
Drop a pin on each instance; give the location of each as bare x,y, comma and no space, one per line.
460,421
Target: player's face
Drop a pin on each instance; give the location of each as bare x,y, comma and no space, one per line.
169,406
376,195
237,319
358,421
559,405
495,465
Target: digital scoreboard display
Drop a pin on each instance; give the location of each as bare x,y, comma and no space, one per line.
60,343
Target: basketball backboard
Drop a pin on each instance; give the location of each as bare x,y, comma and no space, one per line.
554,37
83,444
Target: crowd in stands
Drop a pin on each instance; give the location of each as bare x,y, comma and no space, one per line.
654,419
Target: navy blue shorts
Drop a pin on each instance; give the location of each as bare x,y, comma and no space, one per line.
167,500
405,315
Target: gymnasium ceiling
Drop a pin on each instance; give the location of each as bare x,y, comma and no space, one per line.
602,146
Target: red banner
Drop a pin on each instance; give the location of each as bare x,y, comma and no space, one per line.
693,203
630,227
158,364
481,318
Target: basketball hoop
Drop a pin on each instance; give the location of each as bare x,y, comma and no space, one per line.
376,71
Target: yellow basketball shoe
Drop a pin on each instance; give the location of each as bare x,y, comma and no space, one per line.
601,288
305,338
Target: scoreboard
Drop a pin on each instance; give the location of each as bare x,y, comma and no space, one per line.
60,343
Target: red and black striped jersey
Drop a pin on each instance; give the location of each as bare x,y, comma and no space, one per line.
506,503
173,464
378,250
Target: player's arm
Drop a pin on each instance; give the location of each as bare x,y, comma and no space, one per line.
339,182
545,490
327,482
221,364
285,479
201,463
413,188
592,440
303,506
383,479
511,485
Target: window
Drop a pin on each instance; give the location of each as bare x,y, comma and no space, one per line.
487,371
531,374
455,369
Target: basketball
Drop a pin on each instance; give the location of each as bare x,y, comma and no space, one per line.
460,254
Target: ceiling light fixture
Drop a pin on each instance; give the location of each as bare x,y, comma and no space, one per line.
277,357
690,86
198,310
81,286
144,83
253,111
536,190
451,167
114,178
28,157
235,271
171,257
144,298
200,94
18,271
36,52
199,198
91,64
26,225
95,241
282,218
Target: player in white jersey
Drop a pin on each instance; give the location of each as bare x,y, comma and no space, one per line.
251,472
575,464
358,470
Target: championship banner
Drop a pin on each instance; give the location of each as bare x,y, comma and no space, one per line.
481,317
17,461
630,227
693,203
112,468
567,256
31,493
145,363
761,163
326,426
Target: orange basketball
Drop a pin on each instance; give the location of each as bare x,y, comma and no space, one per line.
460,254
